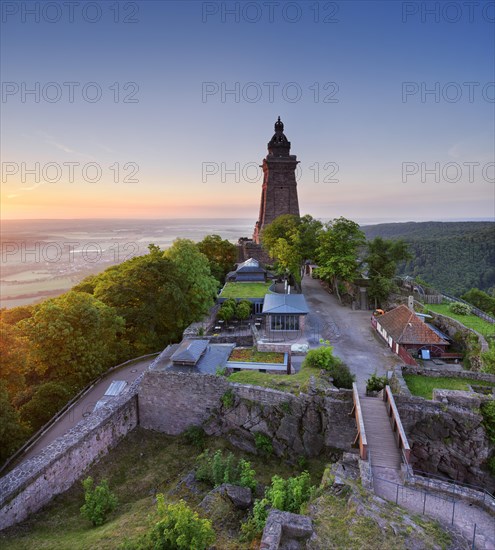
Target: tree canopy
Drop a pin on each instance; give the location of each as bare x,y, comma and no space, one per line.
290,241
382,258
338,245
221,254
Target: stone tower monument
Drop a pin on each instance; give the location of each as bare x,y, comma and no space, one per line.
279,191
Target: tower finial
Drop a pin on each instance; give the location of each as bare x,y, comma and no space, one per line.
279,125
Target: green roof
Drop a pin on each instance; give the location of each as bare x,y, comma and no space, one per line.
245,290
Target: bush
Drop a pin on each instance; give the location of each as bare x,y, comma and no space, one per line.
287,495
342,377
488,358
263,443
227,399
488,413
321,358
195,435
491,465
376,383
459,308
99,501
180,528
216,469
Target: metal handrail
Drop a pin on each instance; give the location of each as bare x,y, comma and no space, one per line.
455,483
34,438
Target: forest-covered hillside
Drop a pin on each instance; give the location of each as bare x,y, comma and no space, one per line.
453,256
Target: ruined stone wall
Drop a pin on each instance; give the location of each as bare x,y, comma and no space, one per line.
36,481
296,425
447,436
470,340
437,372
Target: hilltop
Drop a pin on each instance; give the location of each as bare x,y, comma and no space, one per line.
451,256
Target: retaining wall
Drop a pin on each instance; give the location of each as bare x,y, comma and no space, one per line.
36,481
296,425
447,437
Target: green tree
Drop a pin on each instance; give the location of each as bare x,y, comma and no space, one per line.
14,351
221,254
73,338
46,401
291,241
481,300
147,293
99,501
198,286
339,243
12,431
227,310
382,258
180,528
243,310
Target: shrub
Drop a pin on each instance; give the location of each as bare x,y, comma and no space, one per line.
491,465
342,377
290,494
227,399
99,501
263,443
180,528
488,413
284,494
221,371
376,383
195,435
320,358
253,527
460,308
488,358
216,469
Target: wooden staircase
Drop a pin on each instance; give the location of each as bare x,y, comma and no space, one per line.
381,441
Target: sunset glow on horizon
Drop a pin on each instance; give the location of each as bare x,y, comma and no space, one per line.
390,112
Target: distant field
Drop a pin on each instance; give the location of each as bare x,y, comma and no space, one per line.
470,321
245,290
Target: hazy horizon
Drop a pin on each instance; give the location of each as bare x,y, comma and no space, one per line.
166,108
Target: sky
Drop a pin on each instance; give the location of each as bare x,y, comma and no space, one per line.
163,109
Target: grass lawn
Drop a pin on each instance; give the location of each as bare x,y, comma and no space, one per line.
423,386
470,321
252,355
143,464
292,383
245,290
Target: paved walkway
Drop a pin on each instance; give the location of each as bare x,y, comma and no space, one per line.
438,506
85,405
349,332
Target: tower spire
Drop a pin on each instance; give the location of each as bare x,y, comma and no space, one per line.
279,190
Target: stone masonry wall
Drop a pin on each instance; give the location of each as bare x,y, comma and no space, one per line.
449,373
447,437
296,425
36,481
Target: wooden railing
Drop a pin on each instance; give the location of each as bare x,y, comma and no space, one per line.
361,435
396,424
